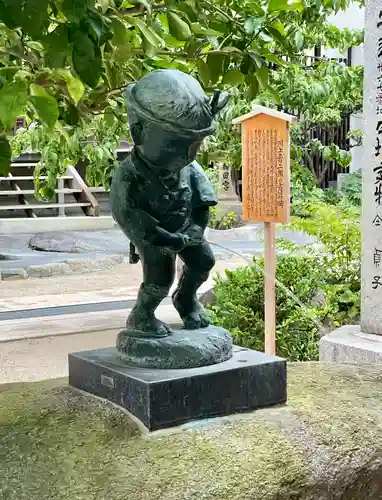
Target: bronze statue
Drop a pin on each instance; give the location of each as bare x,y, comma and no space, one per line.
160,196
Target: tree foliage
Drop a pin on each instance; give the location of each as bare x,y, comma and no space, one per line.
63,63
319,91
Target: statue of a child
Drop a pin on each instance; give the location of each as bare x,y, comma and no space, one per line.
160,196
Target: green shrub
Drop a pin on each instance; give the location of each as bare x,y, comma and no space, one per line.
331,196
239,306
322,280
229,220
352,188
305,192
337,230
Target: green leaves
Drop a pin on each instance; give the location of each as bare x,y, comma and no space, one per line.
87,60
73,10
216,66
233,77
31,15
56,47
203,72
10,13
253,24
75,87
178,28
96,44
35,17
120,33
148,33
98,27
5,156
262,75
276,5
299,39
44,104
13,98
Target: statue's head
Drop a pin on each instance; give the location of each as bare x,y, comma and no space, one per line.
169,116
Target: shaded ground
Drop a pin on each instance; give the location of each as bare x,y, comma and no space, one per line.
324,445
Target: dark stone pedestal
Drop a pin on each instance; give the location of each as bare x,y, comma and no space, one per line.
163,398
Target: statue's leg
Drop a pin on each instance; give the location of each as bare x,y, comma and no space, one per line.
198,260
158,276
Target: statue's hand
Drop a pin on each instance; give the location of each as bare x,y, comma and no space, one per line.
179,242
195,232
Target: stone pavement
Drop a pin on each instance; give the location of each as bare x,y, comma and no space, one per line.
120,283
36,343
41,358
36,348
46,254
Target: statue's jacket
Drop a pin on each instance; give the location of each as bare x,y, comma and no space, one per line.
140,201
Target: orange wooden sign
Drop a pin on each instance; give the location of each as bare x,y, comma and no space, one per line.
265,166
266,192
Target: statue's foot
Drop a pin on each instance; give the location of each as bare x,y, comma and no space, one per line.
150,327
191,311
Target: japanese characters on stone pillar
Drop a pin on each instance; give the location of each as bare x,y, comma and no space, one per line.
371,312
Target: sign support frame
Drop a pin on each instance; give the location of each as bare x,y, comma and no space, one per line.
270,287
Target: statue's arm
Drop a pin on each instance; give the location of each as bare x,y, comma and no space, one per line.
142,225
198,224
155,235
200,217
159,237
203,198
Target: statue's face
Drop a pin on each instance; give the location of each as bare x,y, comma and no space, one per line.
168,151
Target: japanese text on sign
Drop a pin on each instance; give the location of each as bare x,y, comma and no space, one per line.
265,169
265,183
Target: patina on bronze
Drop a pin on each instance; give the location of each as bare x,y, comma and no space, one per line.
160,196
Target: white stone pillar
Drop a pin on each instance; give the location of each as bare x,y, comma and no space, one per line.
226,189
227,197
371,224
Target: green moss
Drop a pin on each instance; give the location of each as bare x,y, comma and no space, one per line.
55,443
341,403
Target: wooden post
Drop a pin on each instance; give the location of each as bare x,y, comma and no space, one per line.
266,192
270,287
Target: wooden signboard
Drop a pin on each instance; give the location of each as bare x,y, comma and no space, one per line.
266,192
265,165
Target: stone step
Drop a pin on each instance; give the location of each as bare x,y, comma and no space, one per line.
32,192
31,178
43,224
43,206
23,164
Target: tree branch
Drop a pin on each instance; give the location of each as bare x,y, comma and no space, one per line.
225,14
140,8
184,55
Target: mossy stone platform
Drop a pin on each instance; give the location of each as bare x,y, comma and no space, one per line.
325,445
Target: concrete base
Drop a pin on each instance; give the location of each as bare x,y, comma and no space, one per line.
225,206
349,344
45,224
